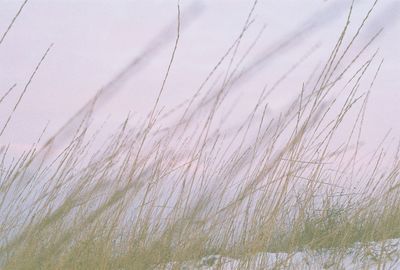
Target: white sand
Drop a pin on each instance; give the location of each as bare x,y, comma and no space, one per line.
372,255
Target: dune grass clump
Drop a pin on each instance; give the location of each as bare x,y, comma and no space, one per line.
155,193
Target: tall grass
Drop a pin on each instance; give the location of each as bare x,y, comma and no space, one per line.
182,185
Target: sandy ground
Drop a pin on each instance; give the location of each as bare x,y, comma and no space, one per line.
372,255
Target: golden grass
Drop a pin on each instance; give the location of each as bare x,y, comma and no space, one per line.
153,194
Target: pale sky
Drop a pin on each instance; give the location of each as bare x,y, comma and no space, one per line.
94,40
